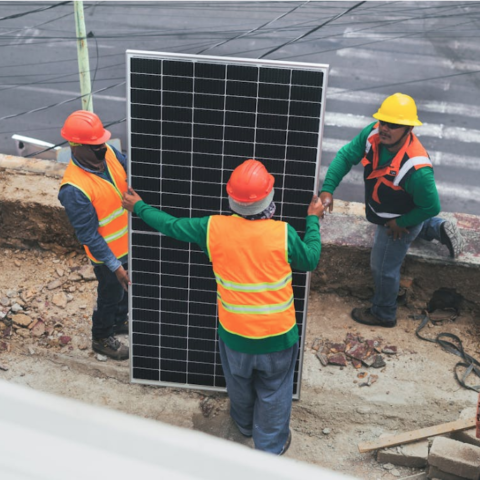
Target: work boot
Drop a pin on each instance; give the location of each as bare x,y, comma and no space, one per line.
366,317
110,347
451,237
287,443
121,328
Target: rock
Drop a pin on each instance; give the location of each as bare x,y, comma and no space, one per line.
65,339
27,295
59,271
364,410
316,344
356,363
323,358
337,359
395,472
74,277
18,263
82,307
326,431
55,283
87,273
12,293
72,288
82,345
39,329
358,351
31,351
60,300
21,320
379,362
16,308
69,297
5,301
388,466
4,346
389,350
4,368
101,358
337,347
23,332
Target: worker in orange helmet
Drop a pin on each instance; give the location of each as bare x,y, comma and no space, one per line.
91,193
400,198
252,257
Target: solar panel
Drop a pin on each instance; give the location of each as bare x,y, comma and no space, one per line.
192,119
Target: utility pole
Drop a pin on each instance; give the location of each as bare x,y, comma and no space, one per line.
83,61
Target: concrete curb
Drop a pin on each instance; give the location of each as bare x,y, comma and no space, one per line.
31,217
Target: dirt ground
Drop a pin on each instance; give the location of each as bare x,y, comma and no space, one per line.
55,293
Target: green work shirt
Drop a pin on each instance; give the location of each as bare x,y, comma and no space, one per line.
420,184
302,255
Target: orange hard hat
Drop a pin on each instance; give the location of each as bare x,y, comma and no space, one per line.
250,182
84,127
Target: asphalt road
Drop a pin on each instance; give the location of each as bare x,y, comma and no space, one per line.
428,50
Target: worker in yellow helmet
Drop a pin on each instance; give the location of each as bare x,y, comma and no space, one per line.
252,257
400,198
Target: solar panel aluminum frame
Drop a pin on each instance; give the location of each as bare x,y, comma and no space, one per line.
130,54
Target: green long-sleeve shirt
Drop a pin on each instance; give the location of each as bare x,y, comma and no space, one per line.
420,184
302,255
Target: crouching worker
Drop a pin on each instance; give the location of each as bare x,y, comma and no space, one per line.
252,258
91,195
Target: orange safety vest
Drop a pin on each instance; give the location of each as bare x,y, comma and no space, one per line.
254,278
385,196
107,200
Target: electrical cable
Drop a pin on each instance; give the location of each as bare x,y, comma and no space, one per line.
60,103
18,15
314,29
255,29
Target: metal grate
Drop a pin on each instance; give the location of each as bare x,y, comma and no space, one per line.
191,121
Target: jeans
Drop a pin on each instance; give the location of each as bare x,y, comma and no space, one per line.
260,388
112,303
386,260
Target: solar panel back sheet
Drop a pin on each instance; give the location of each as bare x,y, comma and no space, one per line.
192,119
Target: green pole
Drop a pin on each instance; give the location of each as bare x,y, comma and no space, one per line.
83,61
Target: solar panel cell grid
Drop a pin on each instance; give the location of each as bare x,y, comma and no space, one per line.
192,120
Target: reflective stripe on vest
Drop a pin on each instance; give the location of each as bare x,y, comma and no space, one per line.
384,215
254,278
106,198
410,163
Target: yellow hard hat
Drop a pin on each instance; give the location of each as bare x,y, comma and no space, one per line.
400,109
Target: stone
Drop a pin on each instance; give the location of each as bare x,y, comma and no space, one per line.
16,308
69,297
18,263
22,332
4,346
60,300
337,347
395,472
356,363
21,320
326,431
389,350
458,458
413,455
39,329
316,344
74,277
55,284
435,473
5,301
87,273
388,466
101,358
59,271
31,351
27,295
65,339
406,282
358,351
379,362
323,358
416,476
337,359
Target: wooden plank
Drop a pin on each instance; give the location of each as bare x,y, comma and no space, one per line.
415,435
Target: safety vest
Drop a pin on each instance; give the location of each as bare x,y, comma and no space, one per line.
254,278
385,196
107,200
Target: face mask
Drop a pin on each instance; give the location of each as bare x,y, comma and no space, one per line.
99,152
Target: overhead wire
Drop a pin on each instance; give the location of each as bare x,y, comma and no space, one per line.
18,15
255,29
289,42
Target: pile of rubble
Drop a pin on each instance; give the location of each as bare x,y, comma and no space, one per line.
357,350
455,456
53,314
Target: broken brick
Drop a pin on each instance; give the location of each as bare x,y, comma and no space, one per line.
390,350
337,359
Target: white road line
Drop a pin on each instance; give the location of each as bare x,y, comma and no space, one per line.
332,145
456,134
376,99
442,84
416,41
451,190
407,58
